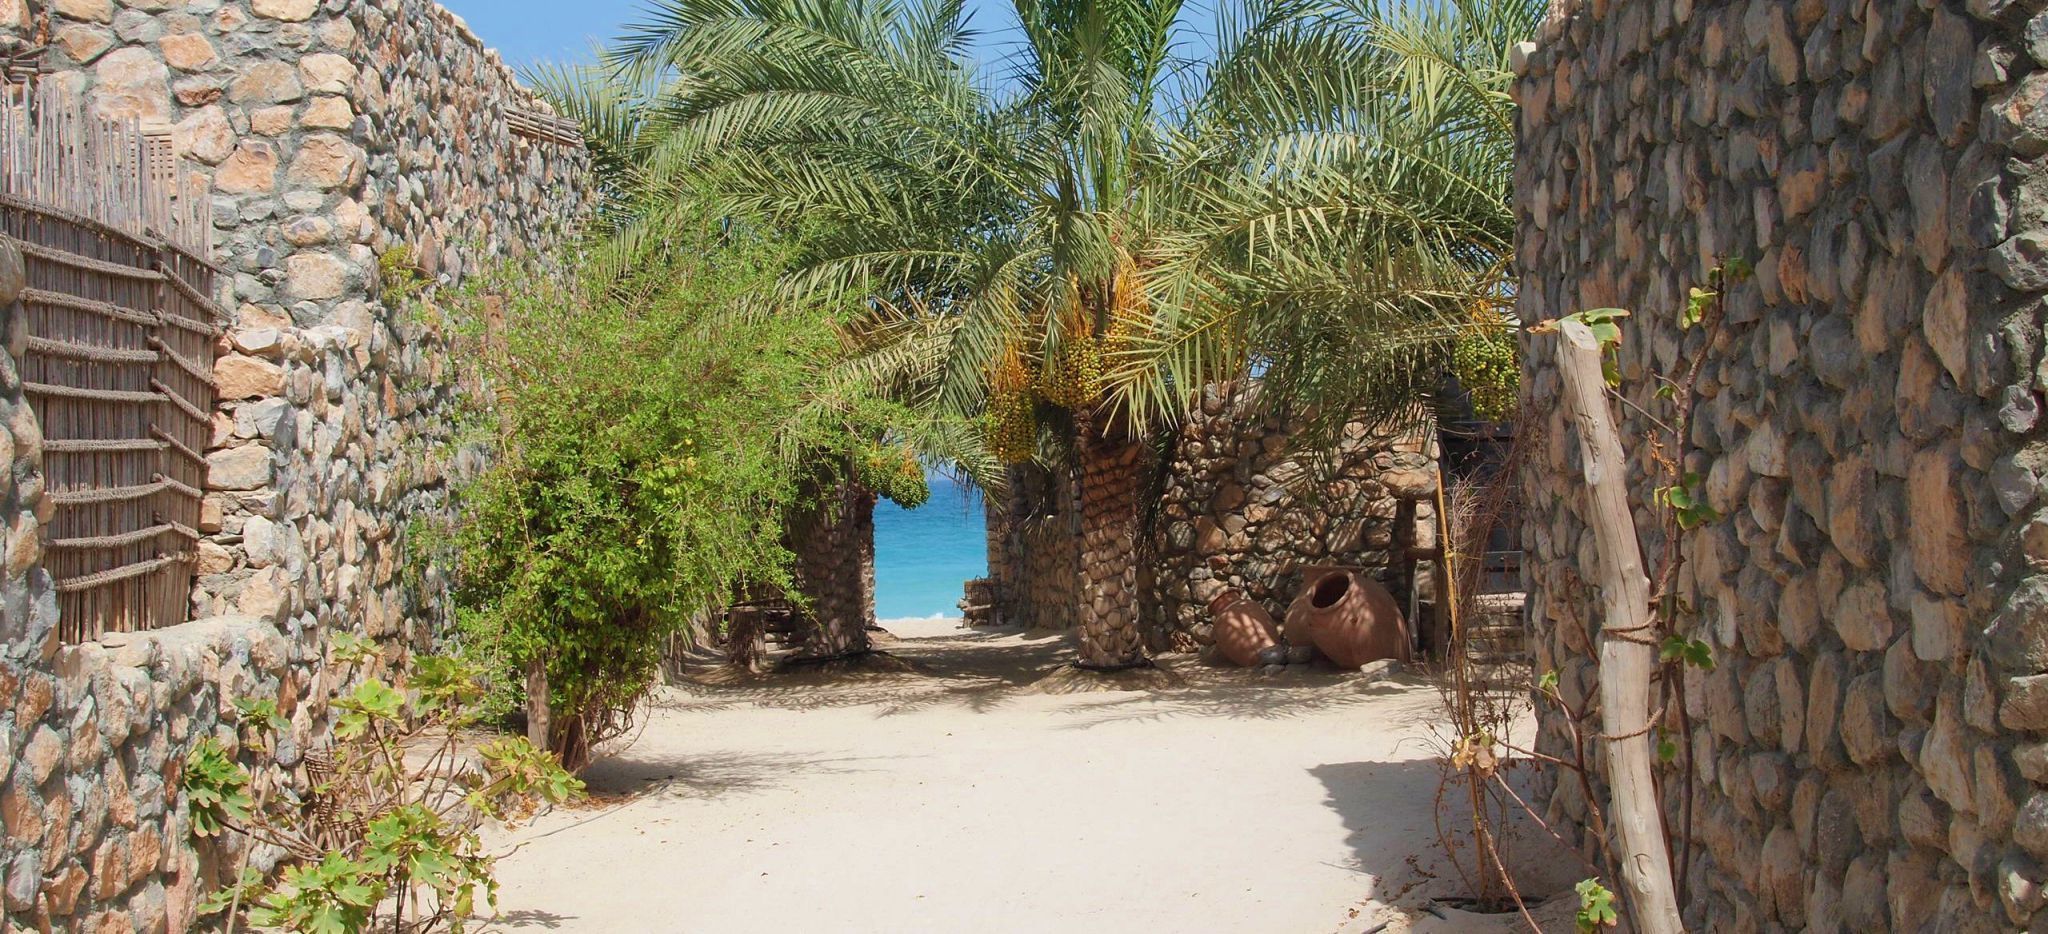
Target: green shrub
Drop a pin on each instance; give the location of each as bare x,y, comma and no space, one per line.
657,430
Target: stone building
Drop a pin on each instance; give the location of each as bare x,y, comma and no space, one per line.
332,133
1869,743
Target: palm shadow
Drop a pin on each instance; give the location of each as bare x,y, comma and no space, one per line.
529,920
972,669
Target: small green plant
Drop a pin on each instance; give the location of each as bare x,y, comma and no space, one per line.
1687,501
1596,907
1692,652
216,788
336,895
398,276
380,828
1680,504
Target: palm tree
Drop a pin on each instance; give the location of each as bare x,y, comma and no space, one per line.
1071,246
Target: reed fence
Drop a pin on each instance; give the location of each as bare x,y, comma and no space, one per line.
121,330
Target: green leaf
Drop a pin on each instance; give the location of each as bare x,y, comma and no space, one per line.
261,713
1667,748
1697,515
1596,907
1693,652
349,648
372,701
1696,304
216,788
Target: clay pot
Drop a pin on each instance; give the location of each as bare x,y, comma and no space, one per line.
1243,628
1294,630
1351,618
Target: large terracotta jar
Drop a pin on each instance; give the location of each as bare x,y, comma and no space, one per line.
1243,628
1294,628
1351,618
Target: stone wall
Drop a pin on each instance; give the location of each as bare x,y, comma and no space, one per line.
1035,550
1244,508
1236,508
97,834
331,132
1869,742
835,569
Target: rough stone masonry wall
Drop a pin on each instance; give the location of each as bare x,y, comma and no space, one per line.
331,132
835,560
1876,593
1236,509
1035,550
1241,510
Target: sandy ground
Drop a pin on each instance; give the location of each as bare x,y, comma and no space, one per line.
958,800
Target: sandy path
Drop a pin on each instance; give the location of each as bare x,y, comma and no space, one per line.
953,802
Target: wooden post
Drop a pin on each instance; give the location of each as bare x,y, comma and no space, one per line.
538,711
1628,653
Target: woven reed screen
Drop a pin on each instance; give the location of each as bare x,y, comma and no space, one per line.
119,362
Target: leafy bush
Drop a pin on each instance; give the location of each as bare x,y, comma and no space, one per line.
380,828
661,418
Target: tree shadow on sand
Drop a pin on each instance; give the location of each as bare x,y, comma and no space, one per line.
1397,816
975,669
1243,695
982,670
708,774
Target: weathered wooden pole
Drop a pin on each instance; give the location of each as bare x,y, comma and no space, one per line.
1628,650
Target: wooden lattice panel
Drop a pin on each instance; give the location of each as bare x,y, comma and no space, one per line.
119,361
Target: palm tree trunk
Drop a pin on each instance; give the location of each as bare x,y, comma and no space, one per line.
835,567
1112,474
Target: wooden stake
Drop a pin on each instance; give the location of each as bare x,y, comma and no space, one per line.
1628,653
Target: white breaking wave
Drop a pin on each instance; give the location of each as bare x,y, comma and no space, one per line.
934,618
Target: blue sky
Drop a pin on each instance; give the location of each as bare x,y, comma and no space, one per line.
528,31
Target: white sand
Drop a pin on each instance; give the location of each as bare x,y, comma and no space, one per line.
953,801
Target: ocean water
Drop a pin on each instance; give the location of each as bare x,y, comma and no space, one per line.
923,555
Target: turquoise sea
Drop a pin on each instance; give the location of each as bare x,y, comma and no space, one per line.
923,555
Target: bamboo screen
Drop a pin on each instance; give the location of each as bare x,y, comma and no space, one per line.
119,365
